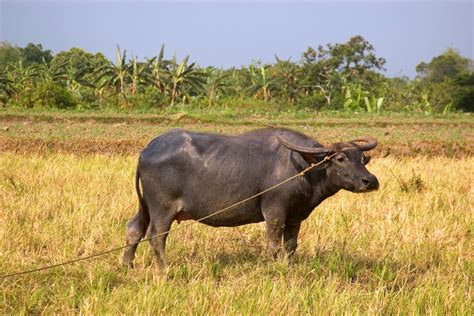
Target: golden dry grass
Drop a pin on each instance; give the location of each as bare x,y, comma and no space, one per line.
407,248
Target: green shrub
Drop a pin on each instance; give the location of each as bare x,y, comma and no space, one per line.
87,99
45,95
313,102
149,98
463,92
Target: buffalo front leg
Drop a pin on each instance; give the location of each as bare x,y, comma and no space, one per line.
136,230
290,237
275,229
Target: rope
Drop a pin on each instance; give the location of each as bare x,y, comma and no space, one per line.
302,173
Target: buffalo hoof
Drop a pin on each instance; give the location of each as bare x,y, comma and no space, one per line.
128,264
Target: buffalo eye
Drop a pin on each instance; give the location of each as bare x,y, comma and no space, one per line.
340,159
365,160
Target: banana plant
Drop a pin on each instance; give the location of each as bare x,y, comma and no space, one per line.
353,97
70,77
327,82
425,105
448,108
373,104
49,74
287,83
19,78
7,89
159,71
261,84
138,75
185,77
216,83
114,75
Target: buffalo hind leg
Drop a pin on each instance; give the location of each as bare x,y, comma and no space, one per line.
158,232
290,237
136,230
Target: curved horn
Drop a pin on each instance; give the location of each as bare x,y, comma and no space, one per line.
301,149
369,143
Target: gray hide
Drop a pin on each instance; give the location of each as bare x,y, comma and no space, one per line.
188,175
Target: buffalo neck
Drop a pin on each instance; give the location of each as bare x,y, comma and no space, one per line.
321,185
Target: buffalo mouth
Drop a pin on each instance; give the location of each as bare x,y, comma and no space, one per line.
368,184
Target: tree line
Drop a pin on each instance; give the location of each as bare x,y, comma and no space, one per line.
341,76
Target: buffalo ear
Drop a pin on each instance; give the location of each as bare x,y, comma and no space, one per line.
313,158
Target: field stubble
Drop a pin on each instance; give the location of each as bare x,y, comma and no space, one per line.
125,135
406,248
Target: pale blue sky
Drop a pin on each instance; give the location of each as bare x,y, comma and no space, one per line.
233,33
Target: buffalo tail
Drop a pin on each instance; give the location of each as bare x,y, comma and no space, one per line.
142,203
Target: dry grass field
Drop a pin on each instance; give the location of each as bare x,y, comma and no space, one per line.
407,248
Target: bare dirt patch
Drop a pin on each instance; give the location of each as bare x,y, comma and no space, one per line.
133,146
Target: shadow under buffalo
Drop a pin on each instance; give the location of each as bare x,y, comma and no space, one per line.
357,268
336,262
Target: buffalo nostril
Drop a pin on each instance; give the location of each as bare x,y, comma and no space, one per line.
366,181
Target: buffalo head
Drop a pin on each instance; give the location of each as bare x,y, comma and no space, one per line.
346,168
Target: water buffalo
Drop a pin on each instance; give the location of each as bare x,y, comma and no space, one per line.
188,175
